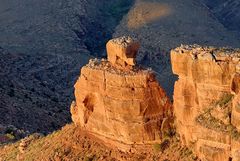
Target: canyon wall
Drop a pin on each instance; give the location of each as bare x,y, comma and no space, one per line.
119,101
206,100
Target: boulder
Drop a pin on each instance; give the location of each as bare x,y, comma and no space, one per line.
122,51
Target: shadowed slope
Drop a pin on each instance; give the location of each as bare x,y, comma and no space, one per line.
46,43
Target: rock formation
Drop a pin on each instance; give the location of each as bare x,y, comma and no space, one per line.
206,100
123,106
122,51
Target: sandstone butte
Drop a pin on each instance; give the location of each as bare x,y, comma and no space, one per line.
120,102
207,100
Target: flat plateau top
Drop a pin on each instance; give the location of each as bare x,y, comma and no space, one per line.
103,64
124,41
225,54
215,50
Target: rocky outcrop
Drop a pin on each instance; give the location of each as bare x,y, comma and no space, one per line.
206,100
125,106
122,51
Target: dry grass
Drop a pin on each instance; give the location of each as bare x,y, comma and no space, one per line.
71,143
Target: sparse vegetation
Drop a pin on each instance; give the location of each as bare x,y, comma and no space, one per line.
165,144
207,120
70,143
210,122
235,134
10,136
168,129
162,146
186,152
170,132
89,158
156,147
224,100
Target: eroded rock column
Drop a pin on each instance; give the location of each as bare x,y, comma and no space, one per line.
117,100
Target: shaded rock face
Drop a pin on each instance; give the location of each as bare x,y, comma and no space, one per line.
206,100
125,106
226,11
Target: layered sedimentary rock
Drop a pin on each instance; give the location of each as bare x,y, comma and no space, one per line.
122,51
125,106
206,100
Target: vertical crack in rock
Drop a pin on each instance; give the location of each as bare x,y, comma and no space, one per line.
89,103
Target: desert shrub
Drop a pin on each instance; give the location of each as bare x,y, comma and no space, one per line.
10,136
89,158
234,132
156,147
210,122
168,129
170,132
225,99
163,146
188,152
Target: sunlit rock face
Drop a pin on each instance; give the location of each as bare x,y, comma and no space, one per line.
122,51
125,106
206,100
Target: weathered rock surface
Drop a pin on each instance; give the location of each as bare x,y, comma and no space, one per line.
206,100
127,106
122,51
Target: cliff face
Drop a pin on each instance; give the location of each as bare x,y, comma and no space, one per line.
206,100
127,106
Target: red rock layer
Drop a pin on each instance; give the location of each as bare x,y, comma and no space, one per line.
127,107
206,101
